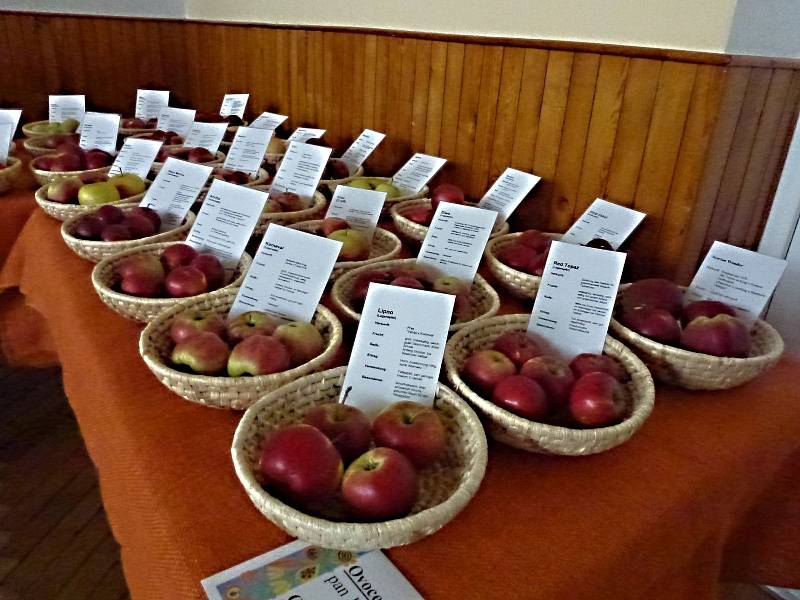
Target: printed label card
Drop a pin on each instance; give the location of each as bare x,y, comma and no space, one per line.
399,346
175,189
205,135
507,192
364,145
136,156
418,171
234,104
303,134
248,149
604,220
99,131
268,120
289,273
6,133
149,103
576,298
456,239
61,108
301,169
178,120
11,115
360,208
742,278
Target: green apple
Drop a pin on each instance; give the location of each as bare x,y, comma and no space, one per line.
355,245
128,184
303,340
64,189
68,125
101,192
391,190
360,183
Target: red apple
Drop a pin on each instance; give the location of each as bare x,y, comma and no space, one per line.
722,335
706,308
419,214
553,374
591,363
177,255
536,266
412,429
517,256
380,484
300,465
204,353
522,396
517,346
446,192
288,201
199,155
144,285
659,293
96,159
63,162
109,214
302,340
191,322
147,213
346,426
43,163
89,227
133,123
599,243
484,369
212,268
64,190
251,323
184,282
336,168
116,233
409,282
140,263
597,400
535,240
258,355
331,224
362,281
654,323
139,226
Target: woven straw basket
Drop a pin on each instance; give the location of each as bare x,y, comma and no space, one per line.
315,211
417,232
10,174
35,148
146,136
29,131
44,177
235,393
539,437
219,158
332,184
390,202
273,158
143,310
521,285
385,246
696,371
97,250
261,179
445,488
483,299
62,212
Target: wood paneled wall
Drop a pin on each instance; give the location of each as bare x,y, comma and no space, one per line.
694,140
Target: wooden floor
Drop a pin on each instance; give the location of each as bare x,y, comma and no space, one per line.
55,542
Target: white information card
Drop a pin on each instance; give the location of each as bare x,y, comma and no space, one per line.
233,104
248,149
10,115
364,145
61,108
605,220
418,171
6,133
268,120
136,156
456,239
178,120
174,190
289,273
576,297
300,571
99,130
303,134
507,192
742,278
399,346
360,208
150,102
301,169
226,221
205,135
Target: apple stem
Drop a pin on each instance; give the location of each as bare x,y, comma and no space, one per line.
346,394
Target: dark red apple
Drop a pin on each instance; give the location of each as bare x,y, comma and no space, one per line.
599,243
96,159
421,215
706,308
380,484
446,192
362,281
134,123
522,396
660,293
484,369
722,335
191,322
139,226
336,168
89,227
257,355
654,323
517,346
205,353
116,233
142,284
412,429
184,282
288,201
199,155
177,255
147,213
536,266
409,282
553,374
140,263
63,162
109,214
535,240
331,224
346,426
517,256
212,268
597,400
591,363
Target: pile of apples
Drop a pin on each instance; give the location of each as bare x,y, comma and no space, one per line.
527,253
74,190
285,202
192,155
377,184
170,138
253,343
137,123
69,156
52,142
304,464
654,308
180,272
355,245
519,376
336,168
65,126
445,192
111,224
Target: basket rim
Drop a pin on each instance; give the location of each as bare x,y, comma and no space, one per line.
219,157
103,245
397,245
396,211
41,200
52,174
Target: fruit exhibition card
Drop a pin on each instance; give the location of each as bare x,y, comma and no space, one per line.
233,104
268,120
399,346
289,273
248,149
742,278
205,135
136,156
99,131
418,171
301,571
576,297
149,103
301,169
10,115
178,120
61,108
364,145
303,134
604,220
507,192
6,133
360,208
456,239
175,189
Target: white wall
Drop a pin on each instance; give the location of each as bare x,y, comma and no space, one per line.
766,27
122,8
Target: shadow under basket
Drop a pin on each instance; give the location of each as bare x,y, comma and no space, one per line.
417,231
540,437
522,285
237,393
446,487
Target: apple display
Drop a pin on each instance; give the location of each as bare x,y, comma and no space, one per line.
658,293
522,396
191,322
183,282
706,308
722,335
205,353
303,341
590,363
64,190
517,346
212,268
355,245
178,255
412,429
553,374
597,400
258,355
484,369
116,233
251,323
652,322
101,192
346,426
380,484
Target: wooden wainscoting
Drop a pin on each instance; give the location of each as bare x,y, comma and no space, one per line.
694,140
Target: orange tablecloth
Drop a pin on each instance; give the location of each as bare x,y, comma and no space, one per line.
708,488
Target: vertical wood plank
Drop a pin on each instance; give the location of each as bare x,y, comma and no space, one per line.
297,80
487,113
433,122
381,83
419,108
452,100
370,69
467,114
529,105
355,108
398,112
280,98
507,102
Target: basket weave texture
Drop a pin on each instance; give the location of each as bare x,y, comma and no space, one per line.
45,177
35,148
484,301
416,231
224,392
10,174
62,212
522,285
219,158
315,211
445,487
332,184
143,310
540,437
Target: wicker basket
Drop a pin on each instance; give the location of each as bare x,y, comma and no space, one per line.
539,437
390,202
43,177
273,158
518,283
143,310
332,184
28,132
235,393
445,487
315,211
483,299
62,212
417,232
146,136
696,371
96,251
35,148
10,174
219,158
385,246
